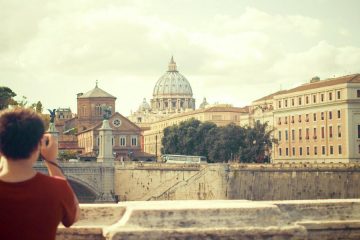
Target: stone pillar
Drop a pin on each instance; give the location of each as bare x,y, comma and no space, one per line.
178,104
161,104
106,159
105,147
169,104
186,103
53,131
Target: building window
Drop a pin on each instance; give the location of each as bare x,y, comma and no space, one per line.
315,137
340,149
98,110
285,120
300,151
293,134
279,135
122,141
134,141
315,150
279,104
307,134
322,116
358,93
292,102
323,150
339,131
292,119
300,137
308,151
330,115
299,118
358,131
339,114
330,96
307,118
287,151
293,151
322,97
322,132
307,99
314,117
279,151
331,150
330,131
285,104
83,108
314,98
338,94
286,135
279,121
299,100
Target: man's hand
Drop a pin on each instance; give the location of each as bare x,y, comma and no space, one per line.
49,148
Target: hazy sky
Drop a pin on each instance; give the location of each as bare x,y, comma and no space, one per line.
231,51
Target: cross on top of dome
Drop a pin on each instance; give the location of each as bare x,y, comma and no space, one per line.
172,65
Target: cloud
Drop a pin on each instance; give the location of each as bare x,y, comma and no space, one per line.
62,49
323,59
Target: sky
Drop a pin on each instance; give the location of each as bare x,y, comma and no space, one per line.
230,51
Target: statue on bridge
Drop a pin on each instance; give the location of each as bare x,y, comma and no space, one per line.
52,115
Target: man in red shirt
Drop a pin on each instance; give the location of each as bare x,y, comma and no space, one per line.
31,204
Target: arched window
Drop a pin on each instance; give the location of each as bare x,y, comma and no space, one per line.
97,110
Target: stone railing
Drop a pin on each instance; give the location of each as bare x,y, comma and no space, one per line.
218,219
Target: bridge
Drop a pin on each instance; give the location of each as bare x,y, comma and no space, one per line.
91,181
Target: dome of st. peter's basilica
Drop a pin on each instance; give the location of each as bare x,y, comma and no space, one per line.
172,92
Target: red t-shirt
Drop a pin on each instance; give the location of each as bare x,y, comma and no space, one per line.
33,209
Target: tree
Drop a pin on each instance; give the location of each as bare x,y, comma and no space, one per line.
23,103
6,97
67,154
170,140
257,142
204,132
39,107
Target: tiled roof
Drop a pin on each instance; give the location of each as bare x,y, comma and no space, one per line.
354,78
271,96
97,92
225,109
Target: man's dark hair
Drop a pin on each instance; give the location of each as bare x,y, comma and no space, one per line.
20,132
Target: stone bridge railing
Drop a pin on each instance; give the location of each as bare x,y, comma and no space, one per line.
219,219
97,178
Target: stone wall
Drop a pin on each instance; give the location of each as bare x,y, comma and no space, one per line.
220,219
156,181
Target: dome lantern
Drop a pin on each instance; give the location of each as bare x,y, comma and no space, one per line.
172,65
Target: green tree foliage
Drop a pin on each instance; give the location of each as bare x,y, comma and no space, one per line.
6,97
257,142
67,154
39,107
218,144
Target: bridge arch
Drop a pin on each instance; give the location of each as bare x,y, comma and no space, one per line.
84,192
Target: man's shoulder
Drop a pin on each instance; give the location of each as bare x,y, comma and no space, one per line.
52,180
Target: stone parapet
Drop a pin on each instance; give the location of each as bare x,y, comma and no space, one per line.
218,219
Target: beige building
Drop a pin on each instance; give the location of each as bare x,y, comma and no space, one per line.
315,122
